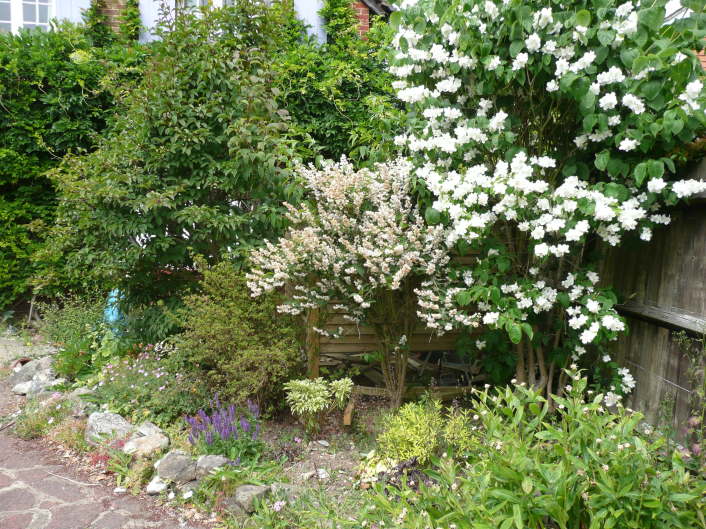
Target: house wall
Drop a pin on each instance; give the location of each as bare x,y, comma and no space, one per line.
112,10
362,12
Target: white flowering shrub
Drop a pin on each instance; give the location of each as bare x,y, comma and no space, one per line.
542,130
359,245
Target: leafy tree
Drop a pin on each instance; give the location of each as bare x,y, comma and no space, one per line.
196,165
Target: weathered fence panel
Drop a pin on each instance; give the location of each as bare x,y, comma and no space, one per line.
664,282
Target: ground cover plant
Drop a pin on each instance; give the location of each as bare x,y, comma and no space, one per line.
539,132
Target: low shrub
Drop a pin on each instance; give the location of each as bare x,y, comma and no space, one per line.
412,432
154,383
38,418
71,434
579,466
310,400
244,349
86,343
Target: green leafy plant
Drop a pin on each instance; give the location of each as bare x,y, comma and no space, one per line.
130,22
196,164
312,399
582,466
39,417
412,432
339,93
243,348
98,30
156,383
54,100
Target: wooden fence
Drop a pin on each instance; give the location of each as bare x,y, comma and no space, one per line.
664,283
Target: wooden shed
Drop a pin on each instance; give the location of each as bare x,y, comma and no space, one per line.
664,285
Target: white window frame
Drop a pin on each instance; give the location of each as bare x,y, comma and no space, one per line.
17,21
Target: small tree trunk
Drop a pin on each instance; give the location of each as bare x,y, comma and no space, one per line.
313,344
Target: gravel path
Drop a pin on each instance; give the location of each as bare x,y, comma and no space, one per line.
39,491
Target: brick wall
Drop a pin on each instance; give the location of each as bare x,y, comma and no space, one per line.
363,14
112,10
702,56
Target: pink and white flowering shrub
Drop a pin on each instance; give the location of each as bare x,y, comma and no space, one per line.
544,129
359,245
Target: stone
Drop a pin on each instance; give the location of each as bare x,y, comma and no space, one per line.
176,466
147,445
189,486
247,495
286,490
102,425
119,490
26,372
79,406
233,507
43,381
156,486
324,443
147,428
322,473
21,388
205,464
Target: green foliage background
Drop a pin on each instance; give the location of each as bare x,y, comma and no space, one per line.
55,96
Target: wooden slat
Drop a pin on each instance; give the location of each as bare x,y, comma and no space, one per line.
671,319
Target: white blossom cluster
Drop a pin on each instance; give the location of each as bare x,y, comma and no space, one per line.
360,233
546,126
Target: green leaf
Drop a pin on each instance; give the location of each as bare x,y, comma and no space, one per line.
655,168
516,47
464,297
528,330
583,18
395,18
514,332
517,516
640,173
602,159
432,216
606,36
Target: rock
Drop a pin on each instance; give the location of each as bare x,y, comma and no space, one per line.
22,388
286,490
322,473
119,490
147,445
205,464
79,406
43,381
26,372
190,486
156,486
323,443
233,507
247,495
102,425
176,466
147,428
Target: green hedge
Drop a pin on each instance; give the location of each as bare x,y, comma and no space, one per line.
56,94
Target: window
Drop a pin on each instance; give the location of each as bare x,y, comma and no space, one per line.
17,14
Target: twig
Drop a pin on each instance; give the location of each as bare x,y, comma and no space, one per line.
5,426
72,481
